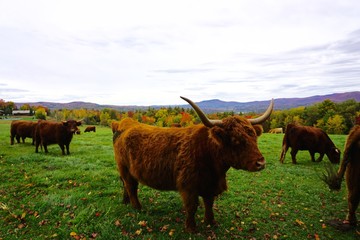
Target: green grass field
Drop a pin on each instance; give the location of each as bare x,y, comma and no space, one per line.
50,196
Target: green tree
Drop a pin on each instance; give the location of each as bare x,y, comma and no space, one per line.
40,113
104,119
335,124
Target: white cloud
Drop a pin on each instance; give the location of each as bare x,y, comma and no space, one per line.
151,52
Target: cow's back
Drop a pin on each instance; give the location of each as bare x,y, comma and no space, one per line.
26,129
49,132
150,153
304,137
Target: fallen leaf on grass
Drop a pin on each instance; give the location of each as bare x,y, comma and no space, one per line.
117,223
316,236
142,223
300,223
172,231
164,228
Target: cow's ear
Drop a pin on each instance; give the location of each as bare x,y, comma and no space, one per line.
218,134
258,129
78,123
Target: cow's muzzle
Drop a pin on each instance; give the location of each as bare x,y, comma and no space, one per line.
260,164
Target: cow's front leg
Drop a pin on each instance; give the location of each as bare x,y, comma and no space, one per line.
293,155
67,149
45,148
191,202
312,156
353,199
62,148
209,213
320,158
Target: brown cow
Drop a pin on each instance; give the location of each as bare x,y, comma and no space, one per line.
55,132
90,129
308,138
22,129
191,160
350,167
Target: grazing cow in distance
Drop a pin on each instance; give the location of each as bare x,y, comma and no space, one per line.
350,167
22,129
59,133
276,130
191,160
90,129
308,138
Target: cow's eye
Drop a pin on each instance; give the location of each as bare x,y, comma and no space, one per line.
236,140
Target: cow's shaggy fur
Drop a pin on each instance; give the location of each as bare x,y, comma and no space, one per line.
350,167
191,160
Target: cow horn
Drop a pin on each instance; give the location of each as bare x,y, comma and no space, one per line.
207,122
265,116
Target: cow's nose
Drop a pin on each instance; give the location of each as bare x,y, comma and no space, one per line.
260,164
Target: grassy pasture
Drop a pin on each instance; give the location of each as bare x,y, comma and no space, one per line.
50,196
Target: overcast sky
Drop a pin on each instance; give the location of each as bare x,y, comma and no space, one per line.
152,52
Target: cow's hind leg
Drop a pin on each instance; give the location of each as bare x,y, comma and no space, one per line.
131,187
191,202
209,213
293,155
126,198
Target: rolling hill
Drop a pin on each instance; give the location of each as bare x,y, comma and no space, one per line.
215,105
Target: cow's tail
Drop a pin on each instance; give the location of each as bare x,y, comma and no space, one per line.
285,146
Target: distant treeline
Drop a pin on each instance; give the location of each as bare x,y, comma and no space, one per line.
334,118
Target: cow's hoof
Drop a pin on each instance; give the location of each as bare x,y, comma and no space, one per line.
341,225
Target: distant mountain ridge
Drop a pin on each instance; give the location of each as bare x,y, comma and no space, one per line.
214,105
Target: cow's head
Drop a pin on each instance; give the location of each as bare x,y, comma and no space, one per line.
334,155
236,137
72,126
